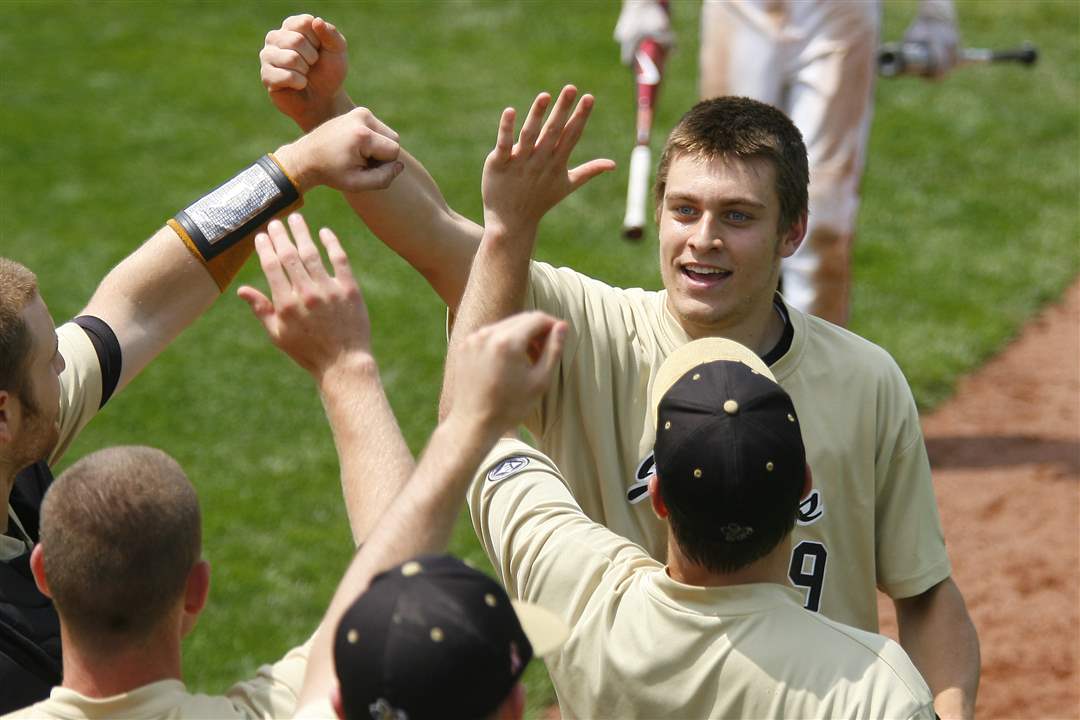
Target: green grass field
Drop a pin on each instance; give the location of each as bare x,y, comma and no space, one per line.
120,113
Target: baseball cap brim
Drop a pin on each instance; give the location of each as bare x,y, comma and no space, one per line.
545,630
698,352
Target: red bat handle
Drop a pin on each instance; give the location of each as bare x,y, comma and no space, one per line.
648,66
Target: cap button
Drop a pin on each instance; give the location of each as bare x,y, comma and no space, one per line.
731,407
410,568
697,472
769,466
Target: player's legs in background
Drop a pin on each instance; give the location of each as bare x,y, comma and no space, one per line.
741,50
830,100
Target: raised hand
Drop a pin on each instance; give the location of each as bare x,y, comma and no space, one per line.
303,65
523,180
317,319
352,152
501,370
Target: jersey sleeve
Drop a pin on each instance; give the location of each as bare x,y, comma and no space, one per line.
543,547
275,689
909,541
80,385
556,293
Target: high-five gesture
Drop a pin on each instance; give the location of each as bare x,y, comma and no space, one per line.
316,318
303,66
523,180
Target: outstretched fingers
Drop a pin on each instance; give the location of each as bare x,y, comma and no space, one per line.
586,171
553,128
534,121
572,129
504,139
339,261
305,248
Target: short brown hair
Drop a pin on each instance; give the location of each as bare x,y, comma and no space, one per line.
120,531
18,286
743,129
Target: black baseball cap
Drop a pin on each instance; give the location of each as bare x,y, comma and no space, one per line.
729,453
434,638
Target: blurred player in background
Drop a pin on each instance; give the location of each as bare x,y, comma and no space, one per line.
816,60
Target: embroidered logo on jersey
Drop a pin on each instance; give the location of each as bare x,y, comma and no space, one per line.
508,467
812,508
639,489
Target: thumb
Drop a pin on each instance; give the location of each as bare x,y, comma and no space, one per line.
260,305
552,353
329,36
375,178
587,171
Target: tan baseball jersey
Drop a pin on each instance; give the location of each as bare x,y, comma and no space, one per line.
643,645
871,520
272,693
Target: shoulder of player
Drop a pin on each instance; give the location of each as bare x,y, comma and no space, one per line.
884,654
824,339
570,278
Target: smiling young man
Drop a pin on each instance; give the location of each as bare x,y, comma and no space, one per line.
732,203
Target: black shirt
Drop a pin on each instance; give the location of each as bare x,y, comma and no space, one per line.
30,663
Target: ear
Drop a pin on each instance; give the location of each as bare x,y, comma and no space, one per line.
658,505
196,592
808,484
37,567
335,701
513,707
792,238
7,432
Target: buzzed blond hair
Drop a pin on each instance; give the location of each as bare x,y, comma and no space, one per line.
18,286
121,531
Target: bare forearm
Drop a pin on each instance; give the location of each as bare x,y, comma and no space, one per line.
413,219
419,522
150,297
496,289
937,632
375,460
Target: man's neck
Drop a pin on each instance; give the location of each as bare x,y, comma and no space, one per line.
96,674
760,330
770,569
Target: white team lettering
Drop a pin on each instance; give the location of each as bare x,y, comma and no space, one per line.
811,508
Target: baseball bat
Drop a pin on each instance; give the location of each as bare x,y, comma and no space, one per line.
648,66
896,59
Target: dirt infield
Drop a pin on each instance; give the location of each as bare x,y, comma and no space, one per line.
1006,457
